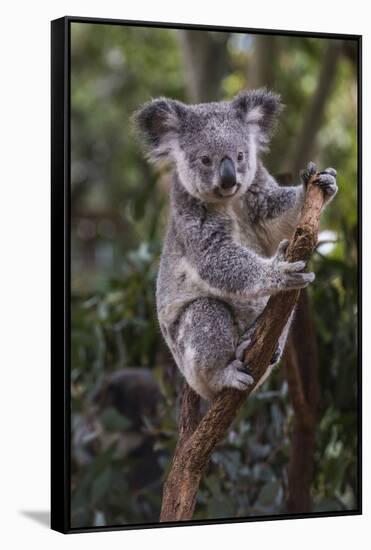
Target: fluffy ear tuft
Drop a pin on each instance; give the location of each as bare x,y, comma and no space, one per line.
260,107
159,121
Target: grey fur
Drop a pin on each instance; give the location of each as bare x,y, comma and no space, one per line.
223,254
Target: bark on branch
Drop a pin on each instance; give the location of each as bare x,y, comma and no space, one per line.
196,442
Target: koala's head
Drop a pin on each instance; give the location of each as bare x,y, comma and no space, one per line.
214,146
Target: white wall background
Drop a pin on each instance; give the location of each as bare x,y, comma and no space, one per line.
24,218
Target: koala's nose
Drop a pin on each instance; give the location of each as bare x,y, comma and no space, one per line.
227,173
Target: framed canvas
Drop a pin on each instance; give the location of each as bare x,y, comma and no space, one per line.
206,214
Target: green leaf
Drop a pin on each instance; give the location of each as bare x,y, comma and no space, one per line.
271,494
113,421
101,485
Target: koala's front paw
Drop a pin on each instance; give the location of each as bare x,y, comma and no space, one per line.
289,275
326,180
237,375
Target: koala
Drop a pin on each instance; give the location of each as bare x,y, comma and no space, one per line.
224,251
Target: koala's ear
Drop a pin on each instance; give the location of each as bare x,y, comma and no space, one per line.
259,107
159,123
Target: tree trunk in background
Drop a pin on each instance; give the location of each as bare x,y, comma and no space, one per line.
301,362
304,144
206,63
301,357
263,67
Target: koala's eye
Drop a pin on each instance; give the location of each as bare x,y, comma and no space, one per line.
240,156
206,160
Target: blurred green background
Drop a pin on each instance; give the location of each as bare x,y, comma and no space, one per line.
123,381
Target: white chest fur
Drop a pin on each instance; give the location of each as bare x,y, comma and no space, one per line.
243,232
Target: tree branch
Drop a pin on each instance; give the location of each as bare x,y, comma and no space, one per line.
301,362
195,447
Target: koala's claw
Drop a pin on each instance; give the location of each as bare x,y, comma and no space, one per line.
241,348
292,267
282,264
281,250
306,174
237,375
297,280
327,182
330,171
243,343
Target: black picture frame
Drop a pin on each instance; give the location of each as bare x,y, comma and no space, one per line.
61,264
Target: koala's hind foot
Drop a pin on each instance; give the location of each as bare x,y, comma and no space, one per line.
237,375
245,341
204,341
